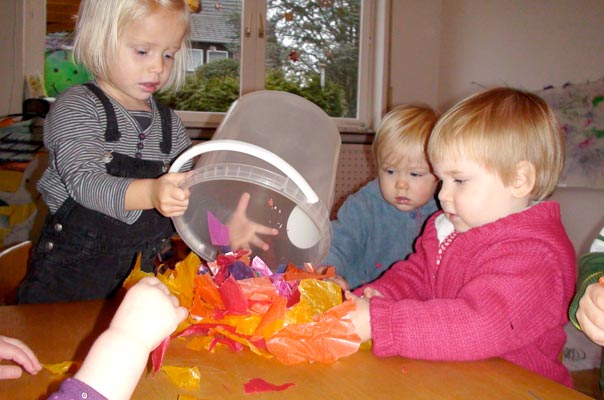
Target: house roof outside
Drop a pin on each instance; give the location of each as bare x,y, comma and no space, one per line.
211,24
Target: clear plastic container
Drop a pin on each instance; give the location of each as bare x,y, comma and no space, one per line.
282,150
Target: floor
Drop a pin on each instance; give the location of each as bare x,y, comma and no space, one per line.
588,382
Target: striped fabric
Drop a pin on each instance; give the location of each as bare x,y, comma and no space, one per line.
74,137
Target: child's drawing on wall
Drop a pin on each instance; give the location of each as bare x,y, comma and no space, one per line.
580,112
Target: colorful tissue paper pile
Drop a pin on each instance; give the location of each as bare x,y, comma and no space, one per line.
295,315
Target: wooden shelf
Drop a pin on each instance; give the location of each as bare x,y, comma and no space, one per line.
60,15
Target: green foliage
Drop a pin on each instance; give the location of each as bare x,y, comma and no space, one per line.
275,80
215,86
219,94
323,33
218,69
331,98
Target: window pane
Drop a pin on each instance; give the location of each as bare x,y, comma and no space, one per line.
195,60
313,50
217,55
213,85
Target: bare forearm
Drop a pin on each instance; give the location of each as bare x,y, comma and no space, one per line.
138,195
164,194
114,364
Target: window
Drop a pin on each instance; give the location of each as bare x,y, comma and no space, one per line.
214,55
331,51
194,60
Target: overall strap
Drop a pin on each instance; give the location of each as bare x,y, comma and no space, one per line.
112,134
166,127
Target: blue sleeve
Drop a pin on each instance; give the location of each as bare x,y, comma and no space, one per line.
349,239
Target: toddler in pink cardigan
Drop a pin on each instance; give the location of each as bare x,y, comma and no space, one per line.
493,273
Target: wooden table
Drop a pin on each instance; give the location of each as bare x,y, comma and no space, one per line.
65,332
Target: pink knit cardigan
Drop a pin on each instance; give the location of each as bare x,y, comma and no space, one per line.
501,290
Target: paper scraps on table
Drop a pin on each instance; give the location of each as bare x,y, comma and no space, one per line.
219,233
184,377
187,397
296,315
65,367
258,385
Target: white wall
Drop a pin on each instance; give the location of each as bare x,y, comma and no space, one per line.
22,50
11,62
414,51
522,43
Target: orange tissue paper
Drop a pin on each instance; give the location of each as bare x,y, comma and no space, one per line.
295,315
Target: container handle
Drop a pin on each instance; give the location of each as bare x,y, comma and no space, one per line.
252,150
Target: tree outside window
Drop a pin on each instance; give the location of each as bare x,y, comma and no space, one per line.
312,50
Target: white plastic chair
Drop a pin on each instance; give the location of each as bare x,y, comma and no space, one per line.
13,268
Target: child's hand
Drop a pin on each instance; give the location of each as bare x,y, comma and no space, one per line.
590,313
337,279
149,313
244,232
370,292
18,352
167,197
360,316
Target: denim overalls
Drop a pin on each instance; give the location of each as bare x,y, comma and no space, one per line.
84,254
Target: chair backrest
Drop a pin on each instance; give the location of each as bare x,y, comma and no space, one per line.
13,267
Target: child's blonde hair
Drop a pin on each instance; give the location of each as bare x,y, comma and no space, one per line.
403,132
101,22
498,128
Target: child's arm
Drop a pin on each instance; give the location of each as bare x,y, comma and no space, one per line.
243,231
15,350
118,357
164,194
586,311
348,242
590,314
360,316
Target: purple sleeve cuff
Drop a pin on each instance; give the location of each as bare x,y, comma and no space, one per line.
73,389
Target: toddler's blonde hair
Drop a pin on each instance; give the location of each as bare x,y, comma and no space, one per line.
403,132
101,22
498,128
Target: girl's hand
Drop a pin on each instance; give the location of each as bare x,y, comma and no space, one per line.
15,350
360,316
244,232
370,292
167,197
590,313
337,279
